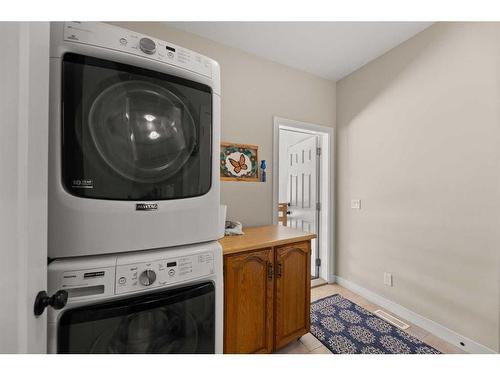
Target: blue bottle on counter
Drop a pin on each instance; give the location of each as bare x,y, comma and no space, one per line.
262,171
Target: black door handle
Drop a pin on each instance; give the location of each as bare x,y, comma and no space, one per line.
57,301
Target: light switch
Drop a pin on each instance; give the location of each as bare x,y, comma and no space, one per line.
356,204
388,278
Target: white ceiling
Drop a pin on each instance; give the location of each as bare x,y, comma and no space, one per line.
330,50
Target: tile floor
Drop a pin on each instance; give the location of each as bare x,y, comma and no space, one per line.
308,344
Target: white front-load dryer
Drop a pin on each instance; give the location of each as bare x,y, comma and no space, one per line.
134,142
159,301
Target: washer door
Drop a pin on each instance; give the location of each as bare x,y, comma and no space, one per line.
143,131
134,134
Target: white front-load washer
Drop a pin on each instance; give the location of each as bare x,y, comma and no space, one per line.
134,142
159,301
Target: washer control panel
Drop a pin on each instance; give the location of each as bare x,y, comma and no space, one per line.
111,37
162,272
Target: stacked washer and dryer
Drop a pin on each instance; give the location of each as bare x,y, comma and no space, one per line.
133,194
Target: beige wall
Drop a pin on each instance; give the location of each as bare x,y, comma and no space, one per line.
419,143
253,91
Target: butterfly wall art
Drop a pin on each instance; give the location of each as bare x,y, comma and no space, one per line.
239,162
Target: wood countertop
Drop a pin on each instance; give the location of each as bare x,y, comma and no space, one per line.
260,237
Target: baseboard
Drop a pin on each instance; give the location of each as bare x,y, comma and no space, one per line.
436,329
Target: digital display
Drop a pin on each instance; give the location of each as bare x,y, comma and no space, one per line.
171,49
171,264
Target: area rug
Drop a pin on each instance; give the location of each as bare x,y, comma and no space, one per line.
346,328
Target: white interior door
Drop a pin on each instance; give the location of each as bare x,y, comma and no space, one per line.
303,190
24,73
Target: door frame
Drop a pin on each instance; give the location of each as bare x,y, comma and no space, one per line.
327,185
23,221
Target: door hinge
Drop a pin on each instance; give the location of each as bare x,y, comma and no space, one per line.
318,262
318,206
318,151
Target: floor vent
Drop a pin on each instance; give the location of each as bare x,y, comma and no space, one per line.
391,319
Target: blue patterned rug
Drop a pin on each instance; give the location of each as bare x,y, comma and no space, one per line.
346,328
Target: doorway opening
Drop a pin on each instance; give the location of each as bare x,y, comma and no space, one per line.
303,187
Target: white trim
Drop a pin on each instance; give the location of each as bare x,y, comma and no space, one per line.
328,173
24,73
436,329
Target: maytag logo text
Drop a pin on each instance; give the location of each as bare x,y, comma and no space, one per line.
146,206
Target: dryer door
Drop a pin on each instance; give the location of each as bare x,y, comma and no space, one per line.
176,321
133,134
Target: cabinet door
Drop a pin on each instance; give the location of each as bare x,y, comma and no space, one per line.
248,302
293,292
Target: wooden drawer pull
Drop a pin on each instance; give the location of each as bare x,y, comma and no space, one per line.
278,270
269,270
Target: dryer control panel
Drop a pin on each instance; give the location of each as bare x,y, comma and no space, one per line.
111,37
162,272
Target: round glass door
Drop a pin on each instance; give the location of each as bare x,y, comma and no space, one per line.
141,130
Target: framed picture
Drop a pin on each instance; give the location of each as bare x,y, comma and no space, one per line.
239,162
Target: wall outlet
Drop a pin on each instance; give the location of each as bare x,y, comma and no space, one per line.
388,278
356,204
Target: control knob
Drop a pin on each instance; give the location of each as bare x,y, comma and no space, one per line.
147,46
147,277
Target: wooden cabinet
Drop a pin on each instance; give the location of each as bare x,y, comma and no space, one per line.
248,302
266,297
293,296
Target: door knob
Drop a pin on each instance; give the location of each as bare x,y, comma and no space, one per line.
57,301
